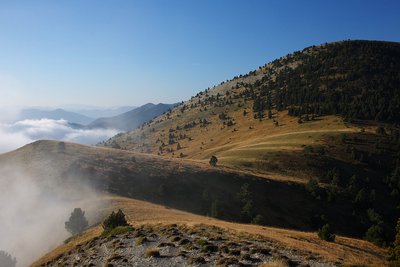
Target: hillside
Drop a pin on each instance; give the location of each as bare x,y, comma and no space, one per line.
56,114
177,183
325,118
184,239
132,119
351,79
193,187
307,140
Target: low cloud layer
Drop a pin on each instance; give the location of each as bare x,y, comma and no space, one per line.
33,213
33,207
14,135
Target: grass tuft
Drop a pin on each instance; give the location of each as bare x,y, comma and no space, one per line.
275,263
152,252
141,240
117,231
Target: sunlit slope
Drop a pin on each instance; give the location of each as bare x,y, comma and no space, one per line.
304,244
262,146
264,119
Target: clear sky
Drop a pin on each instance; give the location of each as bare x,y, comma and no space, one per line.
109,53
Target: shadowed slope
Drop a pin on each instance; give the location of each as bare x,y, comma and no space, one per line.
182,184
307,245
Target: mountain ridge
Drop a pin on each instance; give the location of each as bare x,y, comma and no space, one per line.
131,119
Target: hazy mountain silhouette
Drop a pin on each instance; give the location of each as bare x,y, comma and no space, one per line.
132,119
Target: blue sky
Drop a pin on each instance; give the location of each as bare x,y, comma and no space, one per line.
110,53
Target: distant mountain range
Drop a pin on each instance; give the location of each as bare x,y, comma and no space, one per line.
126,118
132,119
56,114
98,112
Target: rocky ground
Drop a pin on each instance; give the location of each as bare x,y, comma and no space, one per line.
181,245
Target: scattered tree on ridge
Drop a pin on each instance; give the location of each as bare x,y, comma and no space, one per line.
213,161
114,220
77,222
326,234
214,209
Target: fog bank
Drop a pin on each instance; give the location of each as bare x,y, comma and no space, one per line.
15,135
33,212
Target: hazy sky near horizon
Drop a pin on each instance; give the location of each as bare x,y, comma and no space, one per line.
110,53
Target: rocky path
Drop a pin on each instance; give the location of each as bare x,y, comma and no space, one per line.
180,245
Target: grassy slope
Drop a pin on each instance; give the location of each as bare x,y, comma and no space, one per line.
269,154
251,144
258,144
344,250
138,176
184,182
279,153
278,148
179,183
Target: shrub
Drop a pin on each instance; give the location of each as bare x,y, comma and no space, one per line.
209,248
114,220
152,252
214,209
117,231
374,234
326,234
141,240
275,263
380,130
247,211
313,188
258,219
202,242
213,161
77,222
244,194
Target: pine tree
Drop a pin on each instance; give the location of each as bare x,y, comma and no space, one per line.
326,234
77,222
214,209
213,161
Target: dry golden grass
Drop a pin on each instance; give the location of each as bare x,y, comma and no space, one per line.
116,172
346,250
249,144
275,263
152,252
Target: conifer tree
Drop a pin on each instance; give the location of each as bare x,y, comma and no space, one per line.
77,222
114,220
